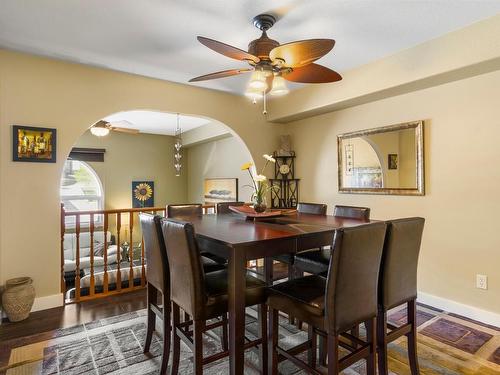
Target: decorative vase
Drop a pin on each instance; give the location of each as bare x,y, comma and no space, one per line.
260,205
18,298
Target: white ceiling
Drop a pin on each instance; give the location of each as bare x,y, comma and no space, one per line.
156,122
157,38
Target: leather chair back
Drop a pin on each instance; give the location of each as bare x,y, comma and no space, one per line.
361,213
398,271
223,207
311,208
156,254
184,210
351,292
187,278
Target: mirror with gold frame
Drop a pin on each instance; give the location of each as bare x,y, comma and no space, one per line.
386,160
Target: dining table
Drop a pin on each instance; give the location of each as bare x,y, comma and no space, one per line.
240,240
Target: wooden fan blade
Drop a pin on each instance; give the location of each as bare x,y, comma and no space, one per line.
227,50
313,73
125,130
302,52
222,74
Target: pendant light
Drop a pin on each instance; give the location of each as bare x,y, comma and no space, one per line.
178,148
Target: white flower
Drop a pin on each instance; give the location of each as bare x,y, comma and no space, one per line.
260,178
269,158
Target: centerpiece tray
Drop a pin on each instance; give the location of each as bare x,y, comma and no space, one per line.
249,212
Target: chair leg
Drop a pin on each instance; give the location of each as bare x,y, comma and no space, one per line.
412,337
311,354
225,340
382,342
273,342
371,338
198,327
176,350
333,354
152,298
167,334
268,270
322,350
263,352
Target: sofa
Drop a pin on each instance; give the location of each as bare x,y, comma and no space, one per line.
70,251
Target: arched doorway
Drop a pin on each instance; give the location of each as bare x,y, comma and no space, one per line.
102,250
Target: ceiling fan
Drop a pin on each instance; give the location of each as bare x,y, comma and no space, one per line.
271,63
102,128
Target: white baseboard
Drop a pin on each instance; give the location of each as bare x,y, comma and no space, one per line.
468,311
48,302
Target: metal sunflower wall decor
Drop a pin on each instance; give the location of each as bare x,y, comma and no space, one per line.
143,194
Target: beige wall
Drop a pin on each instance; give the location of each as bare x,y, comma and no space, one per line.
71,97
216,159
462,174
133,158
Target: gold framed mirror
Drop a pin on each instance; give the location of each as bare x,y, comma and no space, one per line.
385,160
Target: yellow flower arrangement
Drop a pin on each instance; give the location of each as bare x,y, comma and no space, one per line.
260,185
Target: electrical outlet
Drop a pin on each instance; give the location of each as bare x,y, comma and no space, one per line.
481,281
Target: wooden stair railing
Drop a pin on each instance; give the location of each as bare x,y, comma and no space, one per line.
103,225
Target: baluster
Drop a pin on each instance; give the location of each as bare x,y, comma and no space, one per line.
118,252
131,252
63,232
92,278
105,275
77,256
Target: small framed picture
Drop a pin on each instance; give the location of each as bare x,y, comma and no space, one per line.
392,161
220,190
33,144
143,194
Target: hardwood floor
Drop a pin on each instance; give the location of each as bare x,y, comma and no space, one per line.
70,315
84,312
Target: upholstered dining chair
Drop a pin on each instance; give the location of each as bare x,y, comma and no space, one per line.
223,207
158,276
398,286
203,296
317,261
333,305
184,210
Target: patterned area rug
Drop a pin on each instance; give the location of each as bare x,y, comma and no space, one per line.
447,344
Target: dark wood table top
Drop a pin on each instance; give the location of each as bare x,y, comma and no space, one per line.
232,229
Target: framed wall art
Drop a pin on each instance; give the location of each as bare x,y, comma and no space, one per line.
143,194
218,190
33,144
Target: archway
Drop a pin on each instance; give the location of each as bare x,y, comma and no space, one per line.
210,150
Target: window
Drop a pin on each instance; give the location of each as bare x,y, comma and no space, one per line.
81,190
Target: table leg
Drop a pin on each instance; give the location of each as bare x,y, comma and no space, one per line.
236,295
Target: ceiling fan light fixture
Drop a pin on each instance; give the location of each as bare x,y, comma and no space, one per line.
253,94
279,86
258,81
99,130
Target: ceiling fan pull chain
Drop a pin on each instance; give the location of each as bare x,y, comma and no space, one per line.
264,112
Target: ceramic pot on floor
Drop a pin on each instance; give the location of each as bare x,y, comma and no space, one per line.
18,298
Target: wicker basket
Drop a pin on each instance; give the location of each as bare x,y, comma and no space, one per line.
18,298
